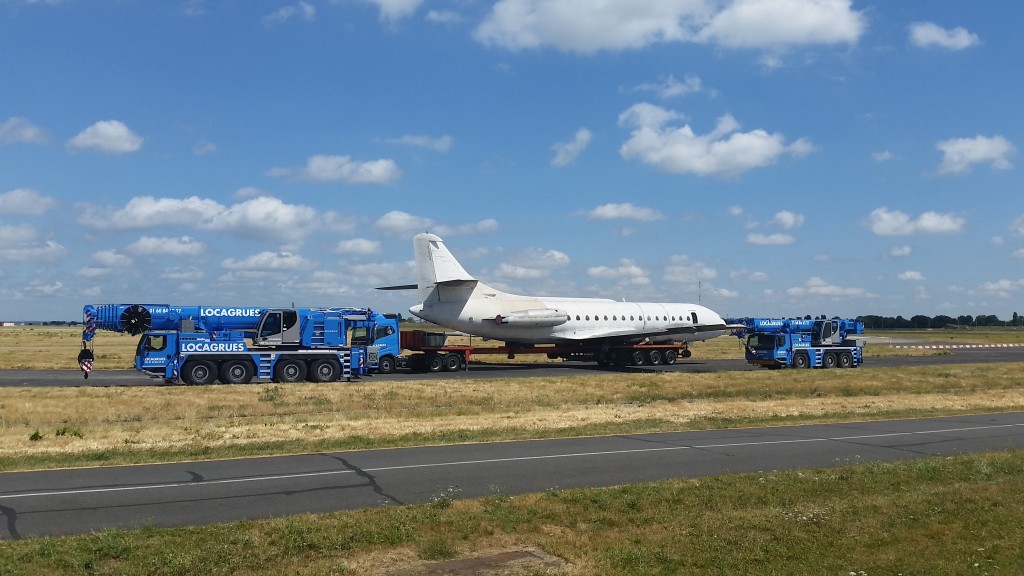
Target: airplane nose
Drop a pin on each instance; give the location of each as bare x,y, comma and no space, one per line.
415,310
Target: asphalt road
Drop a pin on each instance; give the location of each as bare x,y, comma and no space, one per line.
24,378
191,493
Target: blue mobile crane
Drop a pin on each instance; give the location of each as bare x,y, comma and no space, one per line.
201,344
802,343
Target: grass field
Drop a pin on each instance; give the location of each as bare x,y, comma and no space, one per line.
935,516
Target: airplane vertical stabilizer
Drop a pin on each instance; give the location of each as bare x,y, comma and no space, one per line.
435,265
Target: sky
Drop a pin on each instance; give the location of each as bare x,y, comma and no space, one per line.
761,157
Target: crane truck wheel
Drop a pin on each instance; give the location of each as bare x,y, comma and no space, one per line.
434,363
654,357
637,358
290,370
386,365
670,356
236,372
326,370
198,373
829,360
800,360
845,360
452,362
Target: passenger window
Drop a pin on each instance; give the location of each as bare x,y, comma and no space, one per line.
577,316
588,316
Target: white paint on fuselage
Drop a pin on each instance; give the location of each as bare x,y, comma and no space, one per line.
453,298
588,318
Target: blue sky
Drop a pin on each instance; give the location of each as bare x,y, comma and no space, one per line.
767,157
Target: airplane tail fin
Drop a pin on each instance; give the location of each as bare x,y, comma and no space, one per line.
435,266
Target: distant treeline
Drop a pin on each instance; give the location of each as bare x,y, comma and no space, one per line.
940,321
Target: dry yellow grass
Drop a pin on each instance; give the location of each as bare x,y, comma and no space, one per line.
92,419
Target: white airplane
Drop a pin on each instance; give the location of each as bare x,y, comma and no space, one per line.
453,298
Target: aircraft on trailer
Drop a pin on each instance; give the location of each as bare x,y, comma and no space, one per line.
453,298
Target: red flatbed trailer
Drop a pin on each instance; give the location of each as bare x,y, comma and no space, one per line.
433,354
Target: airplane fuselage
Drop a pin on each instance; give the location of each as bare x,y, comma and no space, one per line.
573,319
451,297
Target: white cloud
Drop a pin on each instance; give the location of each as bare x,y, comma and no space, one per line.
1017,226
483,226
959,154
111,259
154,246
358,246
735,211
769,239
586,27
108,136
47,251
931,35
16,130
627,270
672,88
900,251
624,211
781,23
327,168
567,152
724,293
506,270
147,211
541,259
302,10
722,152
788,220
816,286
880,157
440,144
682,270
402,223
1019,254
267,217
910,276
262,217
247,192
268,262
885,222
204,148
1003,288
443,17
392,10
178,274
25,201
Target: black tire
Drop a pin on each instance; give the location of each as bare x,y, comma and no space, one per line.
845,360
325,370
290,370
386,365
829,360
687,353
198,373
654,357
434,363
236,372
637,358
800,360
452,362
670,356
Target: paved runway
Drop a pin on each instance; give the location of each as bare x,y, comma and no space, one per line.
76,501
23,378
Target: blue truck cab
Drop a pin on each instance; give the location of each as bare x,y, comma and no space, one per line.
803,343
